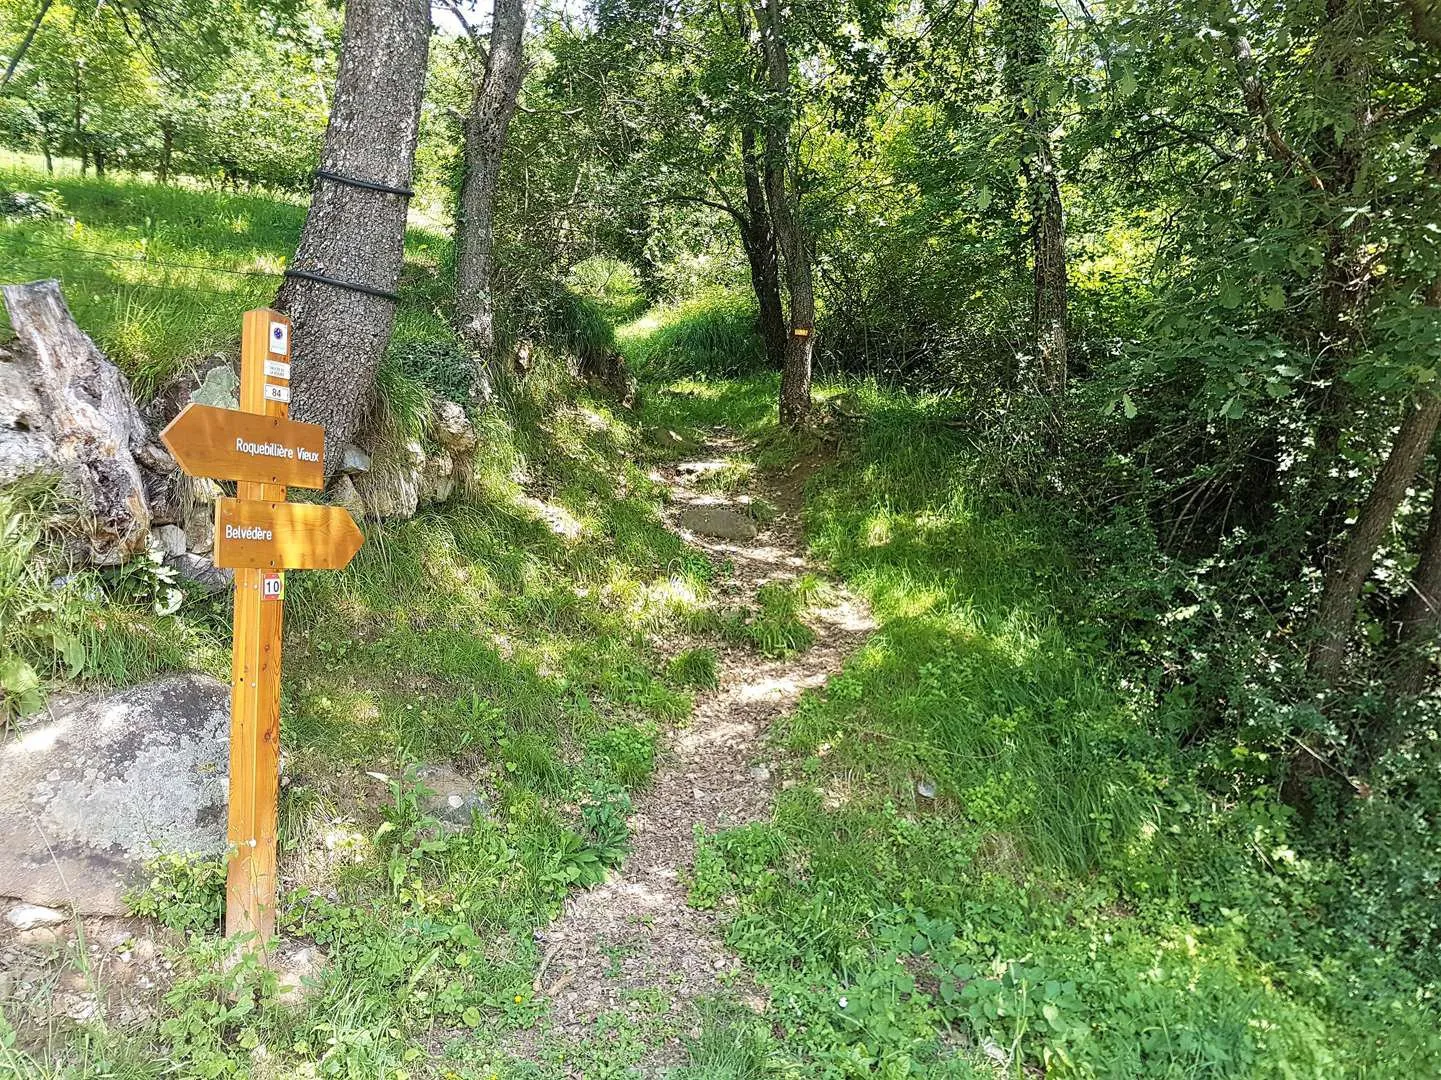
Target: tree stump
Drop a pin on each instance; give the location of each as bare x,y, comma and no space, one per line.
66,411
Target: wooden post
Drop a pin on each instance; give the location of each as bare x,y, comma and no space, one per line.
255,665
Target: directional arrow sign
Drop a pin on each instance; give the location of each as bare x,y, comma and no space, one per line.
283,535
230,445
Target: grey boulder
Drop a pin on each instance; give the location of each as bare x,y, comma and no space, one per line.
104,783
453,800
718,522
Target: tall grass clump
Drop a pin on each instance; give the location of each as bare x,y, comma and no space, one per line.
575,325
612,284
713,334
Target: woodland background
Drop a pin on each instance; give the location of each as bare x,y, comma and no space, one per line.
1152,287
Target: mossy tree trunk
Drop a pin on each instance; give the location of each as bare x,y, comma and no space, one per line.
355,234
495,93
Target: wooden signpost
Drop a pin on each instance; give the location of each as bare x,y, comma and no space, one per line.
260,535
283,535
224,444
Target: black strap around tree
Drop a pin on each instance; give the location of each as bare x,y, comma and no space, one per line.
368,185
368,290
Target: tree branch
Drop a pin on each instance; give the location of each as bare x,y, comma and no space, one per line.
1257,103
24,45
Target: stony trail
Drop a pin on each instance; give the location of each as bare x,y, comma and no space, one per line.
635,932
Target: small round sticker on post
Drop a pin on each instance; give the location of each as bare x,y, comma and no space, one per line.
280,338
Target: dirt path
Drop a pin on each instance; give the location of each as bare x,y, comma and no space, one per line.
635,933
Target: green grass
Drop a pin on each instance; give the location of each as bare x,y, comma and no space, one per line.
482,635
774,627
987,834
713,334
613,286
160,274
694,668
988,855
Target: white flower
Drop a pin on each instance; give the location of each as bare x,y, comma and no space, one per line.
843,1003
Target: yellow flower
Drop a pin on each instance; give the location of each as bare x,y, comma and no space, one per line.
518,999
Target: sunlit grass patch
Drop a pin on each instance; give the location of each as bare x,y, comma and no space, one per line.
694,668
160,274
776,626
713,333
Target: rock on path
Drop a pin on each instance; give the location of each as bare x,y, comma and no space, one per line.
718,522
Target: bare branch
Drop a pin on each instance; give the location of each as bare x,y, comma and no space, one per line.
1253,91
24,45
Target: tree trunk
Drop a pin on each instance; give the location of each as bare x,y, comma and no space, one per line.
49,161
25,42
1342,590
167,149
1048,255
493,100
1420,616
77,137
355,234
759,241
1026,51
794,243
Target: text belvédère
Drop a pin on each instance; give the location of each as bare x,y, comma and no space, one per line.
247,532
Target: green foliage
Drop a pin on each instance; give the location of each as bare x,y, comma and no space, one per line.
409,837
216,91
729,1048
183,893
604,814
439,364
627,753
1076,893
775,628
1060,814
58,625
403,397
217,1005
576,325
612,285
